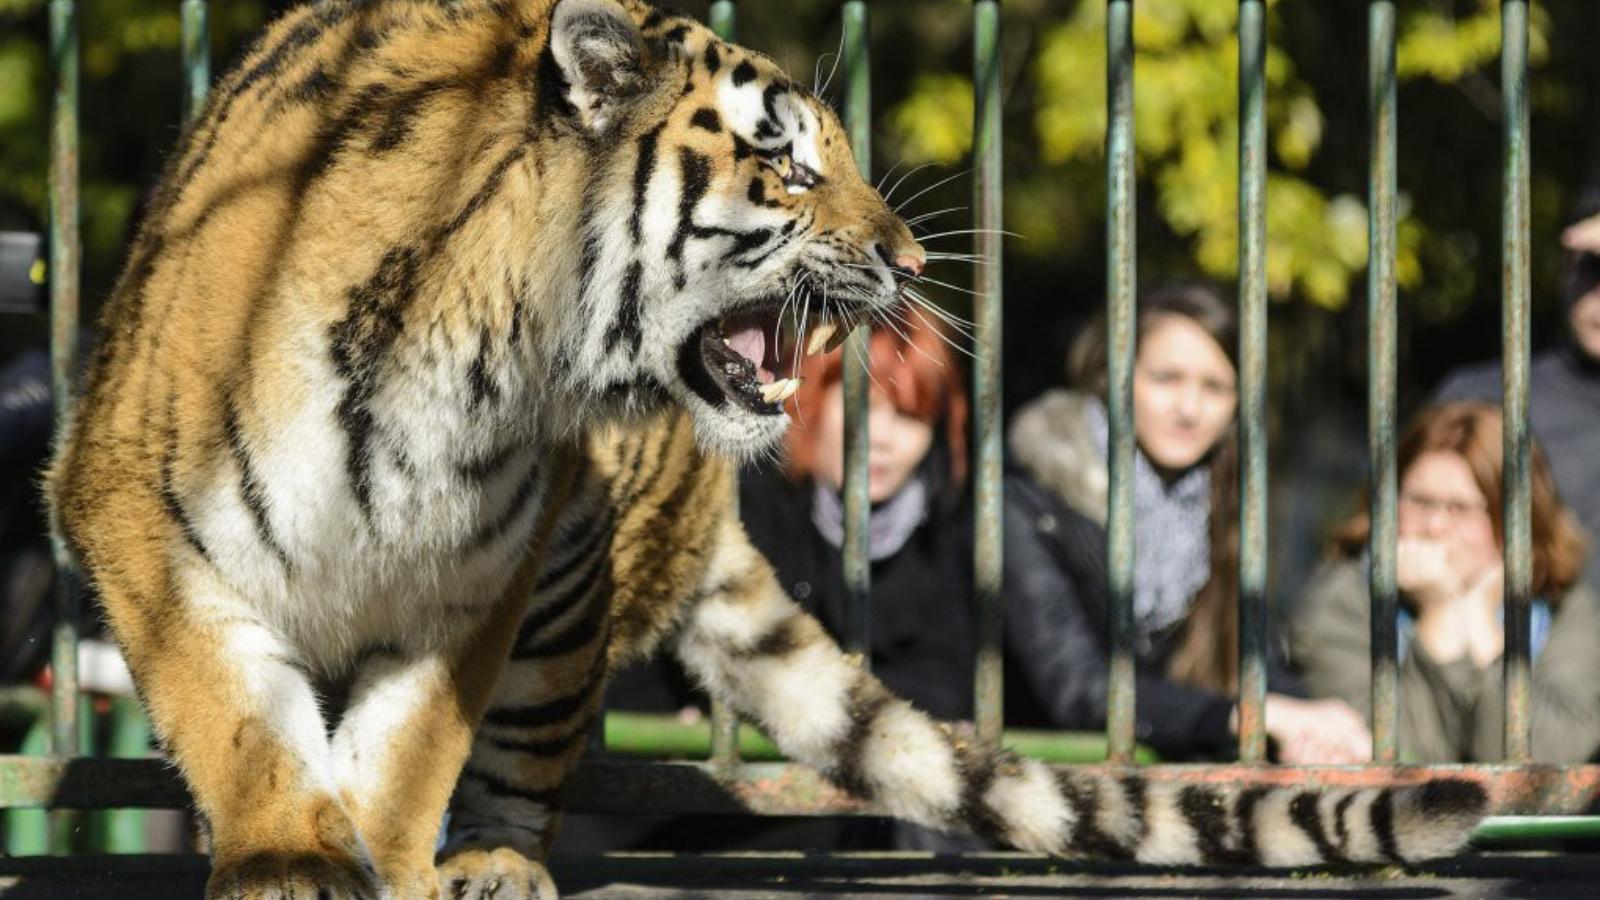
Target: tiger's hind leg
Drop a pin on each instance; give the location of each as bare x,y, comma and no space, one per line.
508,802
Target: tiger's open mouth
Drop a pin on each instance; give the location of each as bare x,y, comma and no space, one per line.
748,357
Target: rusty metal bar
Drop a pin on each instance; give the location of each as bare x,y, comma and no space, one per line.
1381,376
1514,353
989,450
1121,316
1252,381
621,786
857,498
196,57
65,248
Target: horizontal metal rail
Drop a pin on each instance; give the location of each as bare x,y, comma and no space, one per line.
773,788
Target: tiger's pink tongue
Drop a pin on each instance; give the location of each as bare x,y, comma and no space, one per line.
751,343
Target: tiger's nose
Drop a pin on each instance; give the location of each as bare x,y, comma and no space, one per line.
905,262
910,262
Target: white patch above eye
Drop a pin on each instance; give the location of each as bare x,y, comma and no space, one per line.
790,121
805,145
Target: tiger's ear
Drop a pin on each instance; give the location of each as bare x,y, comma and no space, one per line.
599,50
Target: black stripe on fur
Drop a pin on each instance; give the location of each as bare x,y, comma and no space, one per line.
1382,816
1206,811
1305,814
867,701
169,495
255,499
643,169
549,797
579,634
1341,826
1082,794
513,510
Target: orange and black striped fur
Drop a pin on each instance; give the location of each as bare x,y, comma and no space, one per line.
413,411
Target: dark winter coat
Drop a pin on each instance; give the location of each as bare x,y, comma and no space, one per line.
1057,595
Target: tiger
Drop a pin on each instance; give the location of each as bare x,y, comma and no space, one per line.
417,410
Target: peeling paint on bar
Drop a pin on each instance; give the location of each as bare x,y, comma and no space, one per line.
1514,332
65,253
1252,381
1381,378
988,445
857,501
1121,315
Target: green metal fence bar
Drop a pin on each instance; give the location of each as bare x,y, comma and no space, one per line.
989,449
857,502
725,728
196,57
664,735
128,738
1120,323
1514,352
1252,381
723,17
64,257
1381,375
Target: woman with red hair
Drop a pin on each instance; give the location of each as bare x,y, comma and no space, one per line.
919,532
1451,571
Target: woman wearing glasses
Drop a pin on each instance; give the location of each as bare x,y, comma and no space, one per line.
1451,572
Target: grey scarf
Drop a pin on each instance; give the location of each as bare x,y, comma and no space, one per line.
890,523
1172,538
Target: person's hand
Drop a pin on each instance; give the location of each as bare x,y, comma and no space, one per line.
1482,627
1317,732
1583,236
1427,573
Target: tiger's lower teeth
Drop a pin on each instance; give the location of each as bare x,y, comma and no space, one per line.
781,390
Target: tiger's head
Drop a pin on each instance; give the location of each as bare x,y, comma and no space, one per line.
726,229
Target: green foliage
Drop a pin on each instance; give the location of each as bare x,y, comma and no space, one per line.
1186,135
128,88
1437,45
934,124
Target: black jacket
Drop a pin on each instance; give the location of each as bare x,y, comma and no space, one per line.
1057,590
922,635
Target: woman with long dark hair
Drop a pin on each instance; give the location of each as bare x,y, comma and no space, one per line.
1185,592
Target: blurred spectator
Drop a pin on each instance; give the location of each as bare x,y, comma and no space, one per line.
920,531
27,572
920,546
1186,569
1451,573
1564,381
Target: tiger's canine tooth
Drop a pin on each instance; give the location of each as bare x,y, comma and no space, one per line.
790,388
820,336
839,337
773,393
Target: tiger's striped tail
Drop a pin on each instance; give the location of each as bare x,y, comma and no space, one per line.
752,647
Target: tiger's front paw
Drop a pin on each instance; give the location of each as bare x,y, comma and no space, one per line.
499,874
304,876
